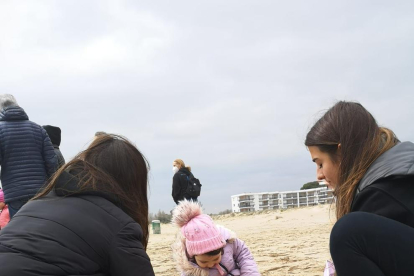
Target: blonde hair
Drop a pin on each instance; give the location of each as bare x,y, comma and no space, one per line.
182,165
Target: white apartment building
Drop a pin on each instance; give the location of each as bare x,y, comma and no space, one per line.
249,202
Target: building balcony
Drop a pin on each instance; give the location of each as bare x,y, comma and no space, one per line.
246,210
246,207
246,200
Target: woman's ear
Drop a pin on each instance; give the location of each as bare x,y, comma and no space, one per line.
338,152
339,148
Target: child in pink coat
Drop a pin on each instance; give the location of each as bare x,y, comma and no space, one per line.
4,211
205,249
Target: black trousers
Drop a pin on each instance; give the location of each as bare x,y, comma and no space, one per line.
367,244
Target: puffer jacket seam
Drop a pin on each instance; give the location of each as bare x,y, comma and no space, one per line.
31,257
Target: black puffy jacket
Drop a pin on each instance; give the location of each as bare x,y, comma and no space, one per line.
84,234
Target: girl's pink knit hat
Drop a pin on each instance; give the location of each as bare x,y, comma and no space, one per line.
201,235
1,196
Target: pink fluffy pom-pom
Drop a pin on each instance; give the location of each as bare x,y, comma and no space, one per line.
185,211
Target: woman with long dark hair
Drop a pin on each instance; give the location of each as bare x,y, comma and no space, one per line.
372,175
91,218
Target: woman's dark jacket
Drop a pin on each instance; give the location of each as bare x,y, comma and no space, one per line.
84,234
387,188
180,183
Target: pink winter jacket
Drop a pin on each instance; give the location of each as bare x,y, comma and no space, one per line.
236,258
4,217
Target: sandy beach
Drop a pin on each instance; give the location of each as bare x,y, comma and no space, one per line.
289,242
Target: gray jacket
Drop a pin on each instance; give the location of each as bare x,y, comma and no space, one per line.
398,161
387,188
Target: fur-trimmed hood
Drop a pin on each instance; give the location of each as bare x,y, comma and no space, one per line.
186,266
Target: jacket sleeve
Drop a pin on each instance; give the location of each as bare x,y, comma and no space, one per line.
49,155
244,259
176,188
380,202
127,256
60,158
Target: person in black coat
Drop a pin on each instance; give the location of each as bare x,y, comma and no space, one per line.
55,137
91,219
180,181
372,174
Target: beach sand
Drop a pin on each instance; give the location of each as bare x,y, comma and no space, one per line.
289,242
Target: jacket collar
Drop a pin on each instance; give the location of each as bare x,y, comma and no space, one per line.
185,171
397,161
13,113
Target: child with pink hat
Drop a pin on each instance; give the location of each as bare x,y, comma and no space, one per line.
4,211
205,249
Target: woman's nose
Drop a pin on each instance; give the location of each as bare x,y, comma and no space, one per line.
319,174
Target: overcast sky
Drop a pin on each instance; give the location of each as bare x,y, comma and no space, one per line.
230,87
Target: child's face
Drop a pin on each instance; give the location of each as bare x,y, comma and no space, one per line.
207,261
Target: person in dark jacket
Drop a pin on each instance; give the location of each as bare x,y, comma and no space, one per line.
27,157
91,219
55,137
372,174
180,181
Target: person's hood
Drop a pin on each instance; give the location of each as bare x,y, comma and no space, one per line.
397,161
181,258
54,134
13,113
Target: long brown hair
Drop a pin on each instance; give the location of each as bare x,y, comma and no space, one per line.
362,142
112,165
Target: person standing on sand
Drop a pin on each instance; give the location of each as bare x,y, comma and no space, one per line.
372,175
180,181
27,157
54,134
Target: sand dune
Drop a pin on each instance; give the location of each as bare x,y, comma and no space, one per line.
292,242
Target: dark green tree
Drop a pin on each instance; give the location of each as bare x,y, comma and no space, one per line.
310,185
